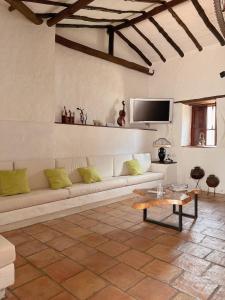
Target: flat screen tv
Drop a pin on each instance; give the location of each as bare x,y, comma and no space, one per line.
151,110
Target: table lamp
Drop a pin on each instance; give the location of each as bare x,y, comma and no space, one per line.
162,143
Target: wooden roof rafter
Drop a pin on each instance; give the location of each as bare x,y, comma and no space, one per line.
26,11
88,7
100,54
75,7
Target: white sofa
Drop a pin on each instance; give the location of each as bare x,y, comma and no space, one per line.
42,200
7,270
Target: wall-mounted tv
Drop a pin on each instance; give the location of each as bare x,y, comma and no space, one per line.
151,110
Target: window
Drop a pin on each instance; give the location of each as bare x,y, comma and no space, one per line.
203,125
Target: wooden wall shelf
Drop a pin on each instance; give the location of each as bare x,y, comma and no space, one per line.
103,126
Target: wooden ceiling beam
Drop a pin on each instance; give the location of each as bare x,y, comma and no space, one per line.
62,25
149,42
134,47
75,7
83,18
207,22
155,11
100,54
26,11
183,26
166,36
89,7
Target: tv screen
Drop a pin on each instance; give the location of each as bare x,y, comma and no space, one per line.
151,110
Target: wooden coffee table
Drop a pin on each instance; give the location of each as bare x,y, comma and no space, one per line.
148,200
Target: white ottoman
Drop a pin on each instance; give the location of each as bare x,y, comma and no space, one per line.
7,270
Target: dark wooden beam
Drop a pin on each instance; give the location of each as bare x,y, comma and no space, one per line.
26,11
89,7
207,22
62,25
78,5
111,40
166,36
146,1
111,10
184,27
208,98
83,18
134,47
99,54
155,11
150,43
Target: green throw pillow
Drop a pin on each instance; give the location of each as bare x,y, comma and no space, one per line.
58,178
134,167
14,182
89,175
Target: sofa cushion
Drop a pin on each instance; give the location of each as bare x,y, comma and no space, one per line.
58,178
34,198
148,176
71,165
80,189
89,175
104,164
134,167
13,182
35,171
7,252
120,168
144,160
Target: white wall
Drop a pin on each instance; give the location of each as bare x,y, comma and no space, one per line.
195,76
37,79
27,87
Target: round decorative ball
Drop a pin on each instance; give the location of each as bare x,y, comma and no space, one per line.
197,173
212,181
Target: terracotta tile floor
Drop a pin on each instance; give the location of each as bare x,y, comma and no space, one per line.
108,253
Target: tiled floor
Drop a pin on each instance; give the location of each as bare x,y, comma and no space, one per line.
108,253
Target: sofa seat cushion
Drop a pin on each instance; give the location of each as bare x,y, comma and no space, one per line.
149,176
34,198
80,189
7,252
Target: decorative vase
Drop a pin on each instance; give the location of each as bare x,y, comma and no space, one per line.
197,173
162,154
212,182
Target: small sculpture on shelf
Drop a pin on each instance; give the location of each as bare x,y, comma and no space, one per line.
122,114
64,115
83,116
201,141
68,117
212,182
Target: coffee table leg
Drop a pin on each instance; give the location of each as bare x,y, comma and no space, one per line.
196,206
144,214
174,208
180,218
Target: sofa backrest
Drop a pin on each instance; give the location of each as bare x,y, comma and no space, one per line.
6,165
71,165
144,160
104,164
35,171
120,168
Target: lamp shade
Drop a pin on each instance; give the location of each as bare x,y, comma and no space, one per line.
162,142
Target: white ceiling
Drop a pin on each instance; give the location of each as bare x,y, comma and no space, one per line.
185,11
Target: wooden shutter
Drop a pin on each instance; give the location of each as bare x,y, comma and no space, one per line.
199,123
